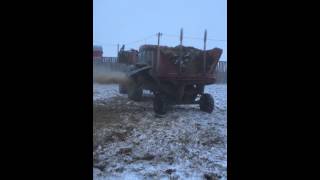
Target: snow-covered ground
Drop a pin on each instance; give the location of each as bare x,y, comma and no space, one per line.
131,143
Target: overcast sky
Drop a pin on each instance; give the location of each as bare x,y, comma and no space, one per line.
127,21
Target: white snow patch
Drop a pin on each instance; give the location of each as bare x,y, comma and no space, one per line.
186,140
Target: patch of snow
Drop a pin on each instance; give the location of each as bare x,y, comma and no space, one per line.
186,140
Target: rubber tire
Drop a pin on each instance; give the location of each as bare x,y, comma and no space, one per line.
159,104
206,103
122,89
135,92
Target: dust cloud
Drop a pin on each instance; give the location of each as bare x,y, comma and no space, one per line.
108,76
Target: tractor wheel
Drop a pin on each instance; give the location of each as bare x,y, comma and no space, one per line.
159,104
122,89
134,92
206,103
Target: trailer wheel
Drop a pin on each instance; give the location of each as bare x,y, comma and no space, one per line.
134,92
122,89
206,103
159,104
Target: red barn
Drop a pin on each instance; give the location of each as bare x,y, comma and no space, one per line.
97,52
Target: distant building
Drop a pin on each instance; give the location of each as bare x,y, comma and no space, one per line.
97,52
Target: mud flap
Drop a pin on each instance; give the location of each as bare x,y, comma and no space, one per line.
136,71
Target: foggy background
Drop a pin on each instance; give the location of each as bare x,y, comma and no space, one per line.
136,22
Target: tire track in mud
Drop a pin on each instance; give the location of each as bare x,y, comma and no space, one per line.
128,139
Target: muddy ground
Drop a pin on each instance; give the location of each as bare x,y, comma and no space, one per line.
131,143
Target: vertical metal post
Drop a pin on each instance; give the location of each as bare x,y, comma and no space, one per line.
158,53
204,51
118,52
180,57
181,36
159,34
